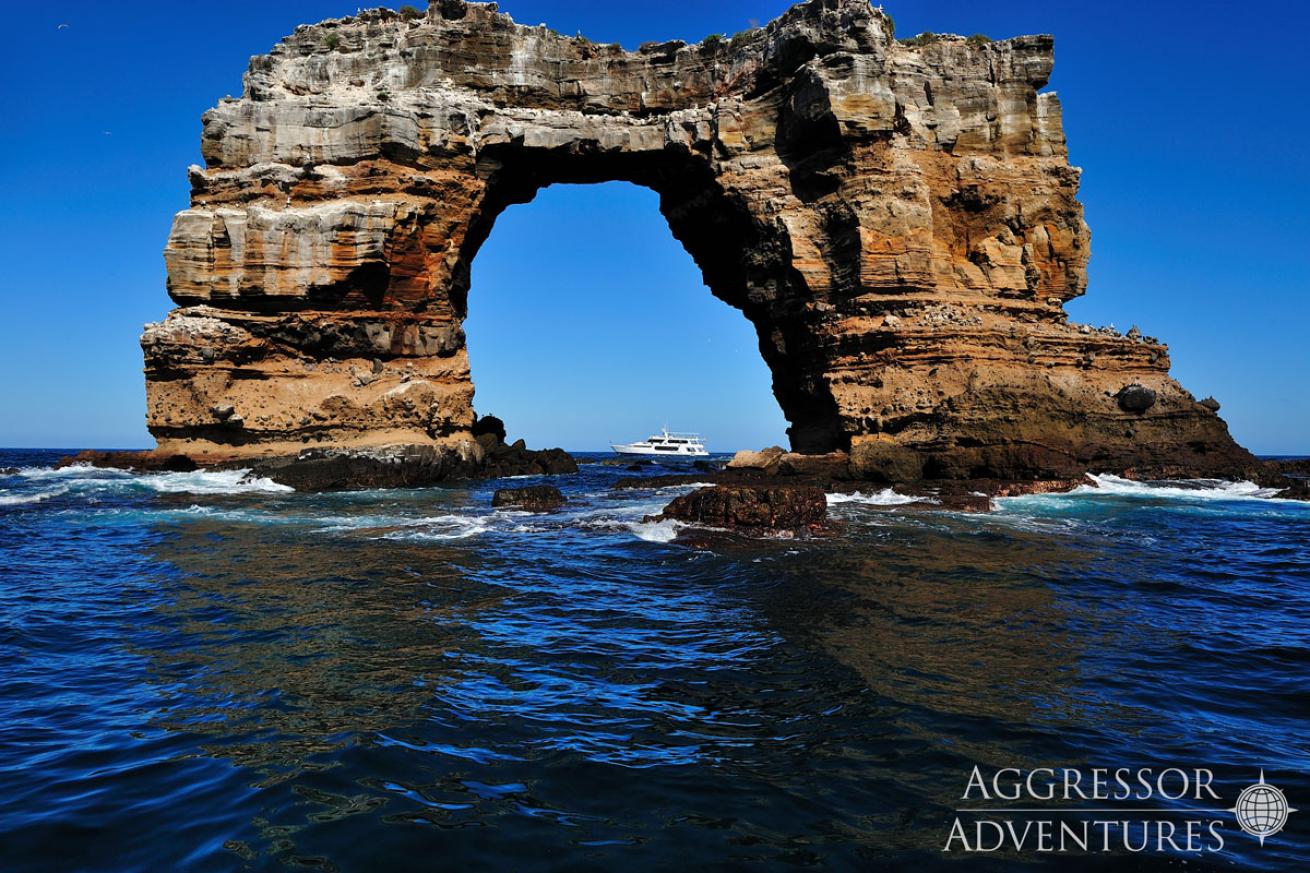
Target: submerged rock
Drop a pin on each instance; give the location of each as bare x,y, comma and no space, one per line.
755,507
536,498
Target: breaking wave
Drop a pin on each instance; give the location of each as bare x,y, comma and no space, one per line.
885,497
9,499
655,531
83,478
210,482
1186,489
1107,487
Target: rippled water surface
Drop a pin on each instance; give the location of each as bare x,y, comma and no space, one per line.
201,673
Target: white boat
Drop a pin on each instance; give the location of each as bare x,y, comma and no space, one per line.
665,444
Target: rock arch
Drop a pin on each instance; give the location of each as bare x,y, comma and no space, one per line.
899,222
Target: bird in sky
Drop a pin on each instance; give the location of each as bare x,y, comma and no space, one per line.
62,27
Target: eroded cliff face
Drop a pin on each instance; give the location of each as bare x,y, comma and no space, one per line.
899,223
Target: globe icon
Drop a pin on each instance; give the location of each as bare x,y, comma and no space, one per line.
1261,810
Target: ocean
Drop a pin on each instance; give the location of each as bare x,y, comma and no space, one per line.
201,673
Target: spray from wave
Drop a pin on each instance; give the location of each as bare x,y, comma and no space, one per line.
1186,489
885,497
82,478
10,499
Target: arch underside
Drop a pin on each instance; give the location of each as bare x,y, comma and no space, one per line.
900,224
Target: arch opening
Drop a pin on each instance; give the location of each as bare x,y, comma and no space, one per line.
587,322
744,261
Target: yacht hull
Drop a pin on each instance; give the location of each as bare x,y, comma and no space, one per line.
680,452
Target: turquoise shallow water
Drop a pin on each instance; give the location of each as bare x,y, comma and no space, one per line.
205,674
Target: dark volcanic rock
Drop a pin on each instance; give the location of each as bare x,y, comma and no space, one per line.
363,469
518,461
1135,398
537,498
1298,489
1290,474
489,425
139,462
405,466
758,507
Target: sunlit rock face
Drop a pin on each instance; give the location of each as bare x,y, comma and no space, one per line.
899,222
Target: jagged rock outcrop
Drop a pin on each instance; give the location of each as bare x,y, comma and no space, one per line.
899,222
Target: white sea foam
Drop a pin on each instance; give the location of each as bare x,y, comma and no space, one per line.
210,482
82,476
1105,486
655,531
75,471
442,528
885,497
1189,489
10,499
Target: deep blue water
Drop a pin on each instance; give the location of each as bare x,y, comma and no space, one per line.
204,675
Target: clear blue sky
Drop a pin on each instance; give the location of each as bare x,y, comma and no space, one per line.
1190,121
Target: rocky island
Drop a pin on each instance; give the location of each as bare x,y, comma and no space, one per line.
898,219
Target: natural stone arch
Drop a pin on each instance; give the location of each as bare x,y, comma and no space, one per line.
899,222
712,225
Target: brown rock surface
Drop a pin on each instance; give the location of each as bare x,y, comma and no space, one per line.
899,222
764,459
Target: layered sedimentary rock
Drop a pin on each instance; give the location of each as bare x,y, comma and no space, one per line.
899,222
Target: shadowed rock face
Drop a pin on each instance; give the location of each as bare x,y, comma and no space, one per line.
899,223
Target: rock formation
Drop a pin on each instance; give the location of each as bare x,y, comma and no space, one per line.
534,498
898,221
797,508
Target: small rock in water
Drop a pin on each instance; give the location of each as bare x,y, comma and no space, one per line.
537,498
757,507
